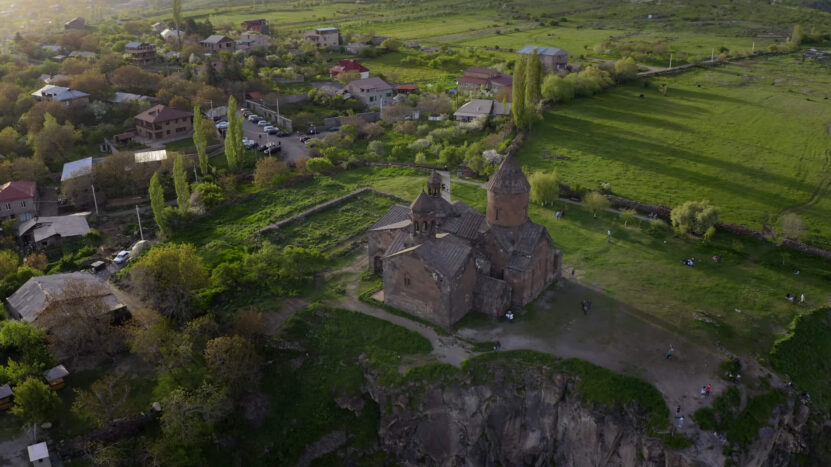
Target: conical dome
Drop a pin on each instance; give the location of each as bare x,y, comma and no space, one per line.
509,178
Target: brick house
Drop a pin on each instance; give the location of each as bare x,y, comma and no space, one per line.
218,43
259,25
476,78
441,260
161,122
370,91
552,58
345,66
141,53
18,200
323,37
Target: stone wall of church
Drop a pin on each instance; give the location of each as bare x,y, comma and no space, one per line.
507,210
544,270
378,241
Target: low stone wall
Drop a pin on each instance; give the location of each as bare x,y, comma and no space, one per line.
322,207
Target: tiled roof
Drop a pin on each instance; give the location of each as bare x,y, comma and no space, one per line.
529,49
162,113
214,39
430,205
373,84
447,255
397,213
509,178
13,191
38,293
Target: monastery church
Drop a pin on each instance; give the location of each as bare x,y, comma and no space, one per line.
442,260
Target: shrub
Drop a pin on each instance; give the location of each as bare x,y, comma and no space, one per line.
695,217
318,164
595,202
270,171
557,90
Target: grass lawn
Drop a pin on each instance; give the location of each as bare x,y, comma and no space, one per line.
575,41
643,269
709,138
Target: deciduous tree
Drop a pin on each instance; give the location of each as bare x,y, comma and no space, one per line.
35,402
234,363
545,187
694,216
626,69
595,202
318,164
557,90
54,143
268,171
9,261
180,183
233,136
104,401
533,81
627,215
157,201
518,99
168,275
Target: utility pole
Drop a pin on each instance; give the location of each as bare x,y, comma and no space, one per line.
94,199
277,104
138,216
753,48
670,61
713,54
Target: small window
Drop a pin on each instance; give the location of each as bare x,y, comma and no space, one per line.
8,206
497,213
407,280
23,204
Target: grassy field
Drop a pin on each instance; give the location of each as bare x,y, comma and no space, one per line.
711,137
642,268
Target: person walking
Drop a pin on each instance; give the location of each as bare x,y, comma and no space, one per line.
669,352
802,298
678,412
681,422
572,272
703,391
709,389
583,306
609,235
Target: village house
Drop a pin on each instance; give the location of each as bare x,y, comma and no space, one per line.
259,25
354,48
552,58
39,455
66,96
476,78
252,41
6,395
161,122
47,232
371,91
18,200
323,37
441,260
141,53
42,294
56,377
172,34
345,66
158,27
75,23
218,43
127,97
482,107
407,88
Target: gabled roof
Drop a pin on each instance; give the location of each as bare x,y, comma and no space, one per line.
350,65
6,391
55,373
122,97
529,49
475,108
13,191
433,206
162,113
370,84
48,226
509,178
136,45
444,254
38,293
327,30
406,87
396,214
76,169
215,39
59,93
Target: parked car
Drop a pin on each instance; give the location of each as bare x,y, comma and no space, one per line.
304,139
263,123
271,148
268,128
281,133
222,125
249,144
334,128
253,118
122,257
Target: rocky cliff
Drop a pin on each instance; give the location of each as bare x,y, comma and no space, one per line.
509,415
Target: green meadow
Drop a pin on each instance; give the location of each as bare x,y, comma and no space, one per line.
752,137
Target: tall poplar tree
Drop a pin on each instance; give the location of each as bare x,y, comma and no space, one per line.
518,94
177,19
157,201
200,139
533,82
233,135
180,182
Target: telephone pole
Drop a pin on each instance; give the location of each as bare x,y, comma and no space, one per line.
94,199
138,216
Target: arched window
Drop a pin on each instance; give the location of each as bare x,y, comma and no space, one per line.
424,226
406,279
416,226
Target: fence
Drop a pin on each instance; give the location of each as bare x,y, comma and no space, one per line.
368,117
270,114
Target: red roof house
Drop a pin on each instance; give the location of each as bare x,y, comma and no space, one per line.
161,122
345,66
18,200
406,88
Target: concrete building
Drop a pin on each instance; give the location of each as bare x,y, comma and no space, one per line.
18,200
481,107
46,232
345,66
75,23
172,34
217,43
258,25
39,455
370,91
552,58
252,41
158,27
441,260
141,53
161,123
64,95
477,78
323,37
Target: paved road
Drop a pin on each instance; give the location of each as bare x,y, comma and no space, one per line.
292,149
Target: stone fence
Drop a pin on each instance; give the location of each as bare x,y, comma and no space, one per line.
368,117
322,207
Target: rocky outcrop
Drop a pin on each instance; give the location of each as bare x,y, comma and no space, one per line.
505,415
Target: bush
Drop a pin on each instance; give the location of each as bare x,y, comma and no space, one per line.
318,164
270,171
695,217
557,90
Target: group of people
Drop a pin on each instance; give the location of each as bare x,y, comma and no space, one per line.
586,305
705,390
560,213
792,298
653,215
689,262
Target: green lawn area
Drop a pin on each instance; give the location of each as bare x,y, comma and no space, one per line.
643,269
575,41
711,137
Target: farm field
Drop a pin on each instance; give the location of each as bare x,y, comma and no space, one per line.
642,268
711,137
